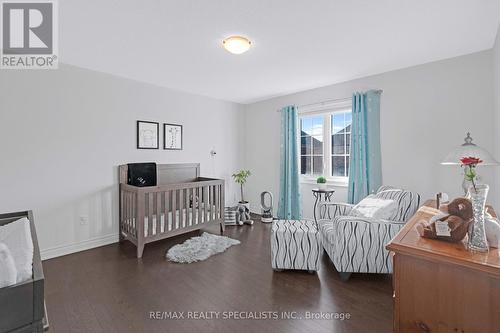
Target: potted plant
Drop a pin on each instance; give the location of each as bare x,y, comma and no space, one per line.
241,178
321,181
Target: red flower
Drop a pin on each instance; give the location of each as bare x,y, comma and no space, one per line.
470,161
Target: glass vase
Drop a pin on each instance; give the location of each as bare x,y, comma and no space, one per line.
477,235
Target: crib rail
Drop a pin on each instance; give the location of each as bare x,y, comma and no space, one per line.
148,213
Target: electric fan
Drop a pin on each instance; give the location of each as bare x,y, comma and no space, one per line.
267,210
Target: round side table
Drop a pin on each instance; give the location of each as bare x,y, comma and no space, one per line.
321,195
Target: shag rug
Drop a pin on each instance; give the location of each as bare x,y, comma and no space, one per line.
200,248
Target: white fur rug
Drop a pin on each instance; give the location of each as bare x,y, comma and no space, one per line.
200,248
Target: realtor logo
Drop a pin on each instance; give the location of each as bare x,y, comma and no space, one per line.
29,35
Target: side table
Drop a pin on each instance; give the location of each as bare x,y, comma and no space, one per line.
321,195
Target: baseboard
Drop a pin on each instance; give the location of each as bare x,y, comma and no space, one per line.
63,250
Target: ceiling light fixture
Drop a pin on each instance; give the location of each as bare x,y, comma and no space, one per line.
236,44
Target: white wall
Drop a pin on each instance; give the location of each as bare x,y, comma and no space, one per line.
496,121
63,133
425,112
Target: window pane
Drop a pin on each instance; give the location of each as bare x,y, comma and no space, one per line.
318,165
338,144
348,121
317,142
348,128
347,165
305,145
338,122
348,143
317,127
306,126
305,165
338,166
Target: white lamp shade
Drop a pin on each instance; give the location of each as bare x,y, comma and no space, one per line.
469,149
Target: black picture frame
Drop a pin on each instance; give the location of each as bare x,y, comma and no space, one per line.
139,123
165,136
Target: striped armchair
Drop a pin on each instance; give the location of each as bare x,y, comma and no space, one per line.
357,244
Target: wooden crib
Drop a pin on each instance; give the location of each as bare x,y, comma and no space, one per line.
182,202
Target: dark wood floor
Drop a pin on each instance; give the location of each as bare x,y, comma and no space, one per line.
108,290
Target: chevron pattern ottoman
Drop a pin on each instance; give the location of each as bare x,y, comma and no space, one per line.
295,244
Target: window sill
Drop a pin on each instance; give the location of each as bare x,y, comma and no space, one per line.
330,182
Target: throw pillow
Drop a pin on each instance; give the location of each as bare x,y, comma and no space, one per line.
373,207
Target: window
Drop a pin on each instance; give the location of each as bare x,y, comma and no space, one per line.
311,145
325,139
341,143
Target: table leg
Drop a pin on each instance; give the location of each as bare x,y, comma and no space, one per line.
318,196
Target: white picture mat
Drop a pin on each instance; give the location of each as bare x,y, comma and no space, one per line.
173,136
147,135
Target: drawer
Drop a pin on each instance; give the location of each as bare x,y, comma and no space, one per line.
440,297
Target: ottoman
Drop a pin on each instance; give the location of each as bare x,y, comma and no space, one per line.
295,244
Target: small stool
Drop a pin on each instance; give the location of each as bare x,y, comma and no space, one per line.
295,244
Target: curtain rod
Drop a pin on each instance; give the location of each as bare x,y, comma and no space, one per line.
379,91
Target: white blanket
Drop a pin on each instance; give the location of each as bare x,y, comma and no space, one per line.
8,271
17,237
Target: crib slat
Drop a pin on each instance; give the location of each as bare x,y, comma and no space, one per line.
194,207
122,217
158,212
200,205
186,204
174,209
167,207
181,209
125,207
129,213
150,214
210,199
214,203
221,202
217,202
206,199
133,220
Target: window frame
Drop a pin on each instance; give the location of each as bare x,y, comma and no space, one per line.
326,109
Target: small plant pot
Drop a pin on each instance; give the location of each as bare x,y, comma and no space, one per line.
244,203
322,186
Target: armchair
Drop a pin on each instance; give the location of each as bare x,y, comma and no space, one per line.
357,244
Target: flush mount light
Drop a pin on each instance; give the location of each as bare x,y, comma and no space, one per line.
236,44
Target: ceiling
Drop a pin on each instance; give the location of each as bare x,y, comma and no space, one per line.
297,45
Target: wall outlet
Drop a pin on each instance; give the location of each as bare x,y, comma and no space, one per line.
84,220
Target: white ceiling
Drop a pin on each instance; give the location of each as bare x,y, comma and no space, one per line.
297,45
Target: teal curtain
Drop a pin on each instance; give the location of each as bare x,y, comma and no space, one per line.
289,204
365,168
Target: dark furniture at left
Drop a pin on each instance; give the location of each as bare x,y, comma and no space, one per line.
22,304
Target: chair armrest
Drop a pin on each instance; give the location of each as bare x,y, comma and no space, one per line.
357,244
330,210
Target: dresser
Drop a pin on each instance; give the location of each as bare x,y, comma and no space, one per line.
441,287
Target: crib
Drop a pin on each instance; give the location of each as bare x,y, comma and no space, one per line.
181,202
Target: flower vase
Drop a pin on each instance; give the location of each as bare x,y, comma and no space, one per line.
477,235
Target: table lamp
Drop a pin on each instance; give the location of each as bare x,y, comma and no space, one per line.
468,149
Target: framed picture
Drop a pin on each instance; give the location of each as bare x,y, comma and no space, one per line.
172,136
148,135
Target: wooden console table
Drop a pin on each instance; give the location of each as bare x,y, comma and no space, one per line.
441,287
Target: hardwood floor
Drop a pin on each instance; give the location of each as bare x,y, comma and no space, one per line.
108,290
